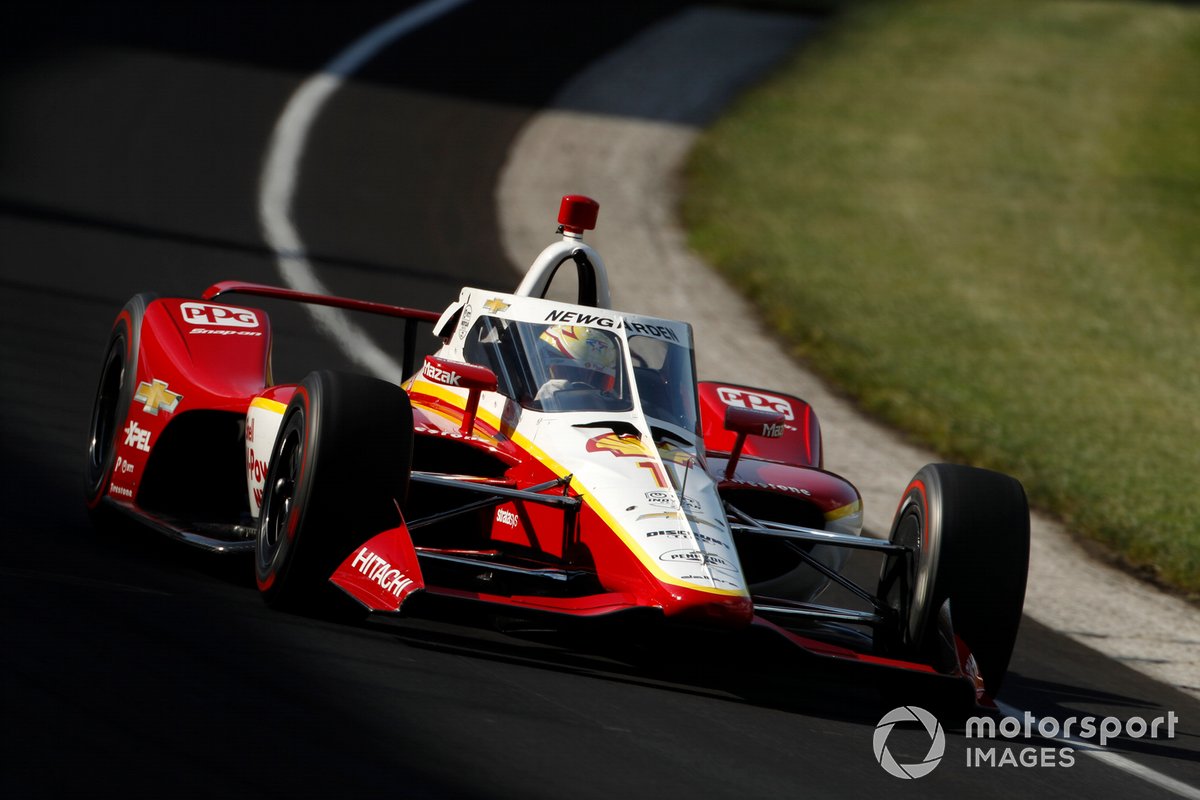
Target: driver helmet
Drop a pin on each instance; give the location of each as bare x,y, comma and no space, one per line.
582,355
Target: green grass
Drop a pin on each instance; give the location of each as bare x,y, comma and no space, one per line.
982,220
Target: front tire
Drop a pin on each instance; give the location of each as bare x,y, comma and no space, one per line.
968,531
339,467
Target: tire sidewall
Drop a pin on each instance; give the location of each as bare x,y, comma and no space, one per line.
123,343
271,569
923,500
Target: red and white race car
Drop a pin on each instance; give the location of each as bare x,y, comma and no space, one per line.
549,458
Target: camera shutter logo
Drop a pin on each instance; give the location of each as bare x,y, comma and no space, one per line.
937,742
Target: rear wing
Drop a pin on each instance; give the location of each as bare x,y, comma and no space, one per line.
411,316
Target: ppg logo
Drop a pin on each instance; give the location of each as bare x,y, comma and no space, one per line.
218,316
743,398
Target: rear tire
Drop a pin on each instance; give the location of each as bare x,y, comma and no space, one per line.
969,531
114,396
339,467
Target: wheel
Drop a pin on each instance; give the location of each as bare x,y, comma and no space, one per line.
968,530
339,467
114,395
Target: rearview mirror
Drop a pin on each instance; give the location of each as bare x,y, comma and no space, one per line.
754,421
472,377
750,422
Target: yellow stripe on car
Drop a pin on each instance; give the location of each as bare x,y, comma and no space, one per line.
844,511
269,405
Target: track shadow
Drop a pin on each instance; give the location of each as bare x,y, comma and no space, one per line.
751,668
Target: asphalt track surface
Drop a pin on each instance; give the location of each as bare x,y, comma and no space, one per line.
131,141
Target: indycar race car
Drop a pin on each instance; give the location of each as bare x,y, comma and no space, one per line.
550,458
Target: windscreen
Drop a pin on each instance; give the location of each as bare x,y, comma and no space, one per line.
665,380
579,368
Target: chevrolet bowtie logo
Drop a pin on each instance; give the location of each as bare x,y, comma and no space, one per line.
156,396
495,305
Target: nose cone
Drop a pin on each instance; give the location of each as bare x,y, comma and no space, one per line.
725,610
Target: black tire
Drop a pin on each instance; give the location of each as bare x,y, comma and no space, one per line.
339,467
114,395
969,532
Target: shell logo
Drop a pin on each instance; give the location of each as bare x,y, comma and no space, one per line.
620,446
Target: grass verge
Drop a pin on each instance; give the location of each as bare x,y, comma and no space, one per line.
983,221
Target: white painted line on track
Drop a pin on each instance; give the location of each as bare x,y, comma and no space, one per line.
1114,760
281,173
